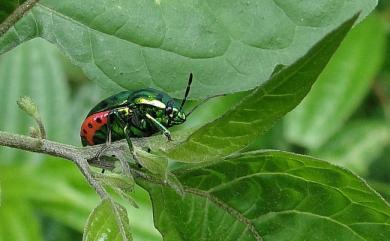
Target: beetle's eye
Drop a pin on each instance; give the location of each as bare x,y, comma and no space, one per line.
169,111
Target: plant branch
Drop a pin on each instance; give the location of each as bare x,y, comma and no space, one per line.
80,156
55,149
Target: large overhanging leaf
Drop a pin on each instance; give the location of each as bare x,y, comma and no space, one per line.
257,112
270,195
230,45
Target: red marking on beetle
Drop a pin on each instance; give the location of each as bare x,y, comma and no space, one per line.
92,124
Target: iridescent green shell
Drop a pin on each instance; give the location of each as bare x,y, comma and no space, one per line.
127,98
114,101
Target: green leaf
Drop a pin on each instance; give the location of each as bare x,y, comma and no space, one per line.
108,221
230,47
156,164
357,145
271,195
257,112
341,87
33,69
18,222
122,185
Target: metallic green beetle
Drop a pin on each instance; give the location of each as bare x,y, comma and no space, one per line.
130,114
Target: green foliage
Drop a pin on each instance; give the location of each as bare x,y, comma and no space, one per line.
357,145
231,47
257,112
272,194
37,195
346,80
24,227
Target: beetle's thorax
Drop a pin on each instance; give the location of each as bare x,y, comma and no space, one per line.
140,111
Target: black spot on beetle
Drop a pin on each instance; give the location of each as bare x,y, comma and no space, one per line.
85,131
90,125
99,120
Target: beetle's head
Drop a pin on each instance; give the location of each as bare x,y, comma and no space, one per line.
175,115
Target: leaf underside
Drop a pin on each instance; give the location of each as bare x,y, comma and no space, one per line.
230,47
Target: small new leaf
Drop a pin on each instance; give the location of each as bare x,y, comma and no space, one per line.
108,221
121,185
27,105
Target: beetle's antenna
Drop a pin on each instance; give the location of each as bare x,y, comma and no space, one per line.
202,102
187,92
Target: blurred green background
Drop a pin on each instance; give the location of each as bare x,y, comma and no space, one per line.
344,120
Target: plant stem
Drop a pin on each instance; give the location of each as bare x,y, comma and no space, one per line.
79,156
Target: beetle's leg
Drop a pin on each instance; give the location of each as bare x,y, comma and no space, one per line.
109,127
162,128
115,114
127,132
